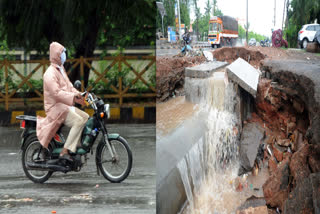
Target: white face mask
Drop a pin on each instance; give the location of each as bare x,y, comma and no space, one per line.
63,57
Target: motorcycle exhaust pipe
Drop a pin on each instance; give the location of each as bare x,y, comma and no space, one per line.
46,167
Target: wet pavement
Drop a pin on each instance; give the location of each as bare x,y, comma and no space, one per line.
83,191
172,52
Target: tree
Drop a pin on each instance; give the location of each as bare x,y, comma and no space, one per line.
214,7
203,21
198,16
241,32
169,19
80,25
302,12
185,12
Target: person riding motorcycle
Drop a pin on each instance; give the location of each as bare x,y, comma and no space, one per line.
59,99
186,36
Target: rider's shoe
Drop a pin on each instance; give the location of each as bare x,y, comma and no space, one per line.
66,157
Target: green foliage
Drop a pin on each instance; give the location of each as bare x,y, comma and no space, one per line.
113,76
33,25
257,36
242,32
169,19
184,14
301,12
203,20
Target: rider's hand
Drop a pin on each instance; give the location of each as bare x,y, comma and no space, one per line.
78,95
79,99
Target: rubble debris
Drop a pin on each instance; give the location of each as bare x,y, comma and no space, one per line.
305,198
254,210
298,165
272,164
252,135
208,55
297,140
253,205
275,189
245,75
301,80
283,142
278,152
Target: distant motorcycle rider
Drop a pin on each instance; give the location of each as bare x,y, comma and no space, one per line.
186,36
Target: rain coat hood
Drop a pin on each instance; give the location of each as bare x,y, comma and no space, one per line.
58,94
56,50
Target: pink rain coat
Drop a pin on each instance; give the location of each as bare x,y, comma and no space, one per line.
58,94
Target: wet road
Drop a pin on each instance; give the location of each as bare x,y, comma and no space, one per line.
172,52
84,191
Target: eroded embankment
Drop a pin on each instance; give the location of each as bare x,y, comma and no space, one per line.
288,104
230,54
170,74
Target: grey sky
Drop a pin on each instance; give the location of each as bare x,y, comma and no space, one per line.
261,13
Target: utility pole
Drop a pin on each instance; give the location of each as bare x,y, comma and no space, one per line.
162,12
284,6
274,21
179,19
247,25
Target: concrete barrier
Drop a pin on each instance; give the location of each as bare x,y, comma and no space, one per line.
171,150
134,114
204,70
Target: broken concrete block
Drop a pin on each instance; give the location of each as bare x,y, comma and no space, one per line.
204,70
251,136
208,55
245,75
254,210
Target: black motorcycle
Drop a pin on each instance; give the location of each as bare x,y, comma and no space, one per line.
113,154
185,44
265,43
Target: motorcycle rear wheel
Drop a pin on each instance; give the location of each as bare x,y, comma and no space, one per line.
118,169
30,154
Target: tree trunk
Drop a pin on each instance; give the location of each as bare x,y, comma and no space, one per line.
86,48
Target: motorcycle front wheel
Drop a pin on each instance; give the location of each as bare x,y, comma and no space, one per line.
32,152
118,168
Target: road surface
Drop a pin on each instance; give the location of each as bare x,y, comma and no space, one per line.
84,191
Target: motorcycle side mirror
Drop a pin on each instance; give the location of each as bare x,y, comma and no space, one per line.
77,85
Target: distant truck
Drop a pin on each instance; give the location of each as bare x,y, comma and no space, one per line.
223,31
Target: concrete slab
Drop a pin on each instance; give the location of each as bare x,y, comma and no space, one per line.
251,136
245,75
204,70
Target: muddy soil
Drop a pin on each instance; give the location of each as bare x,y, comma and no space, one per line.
230,54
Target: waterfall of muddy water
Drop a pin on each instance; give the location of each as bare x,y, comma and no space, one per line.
209,169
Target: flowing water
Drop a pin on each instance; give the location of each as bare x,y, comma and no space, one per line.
209,170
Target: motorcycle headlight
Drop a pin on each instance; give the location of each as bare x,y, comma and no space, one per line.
107,110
